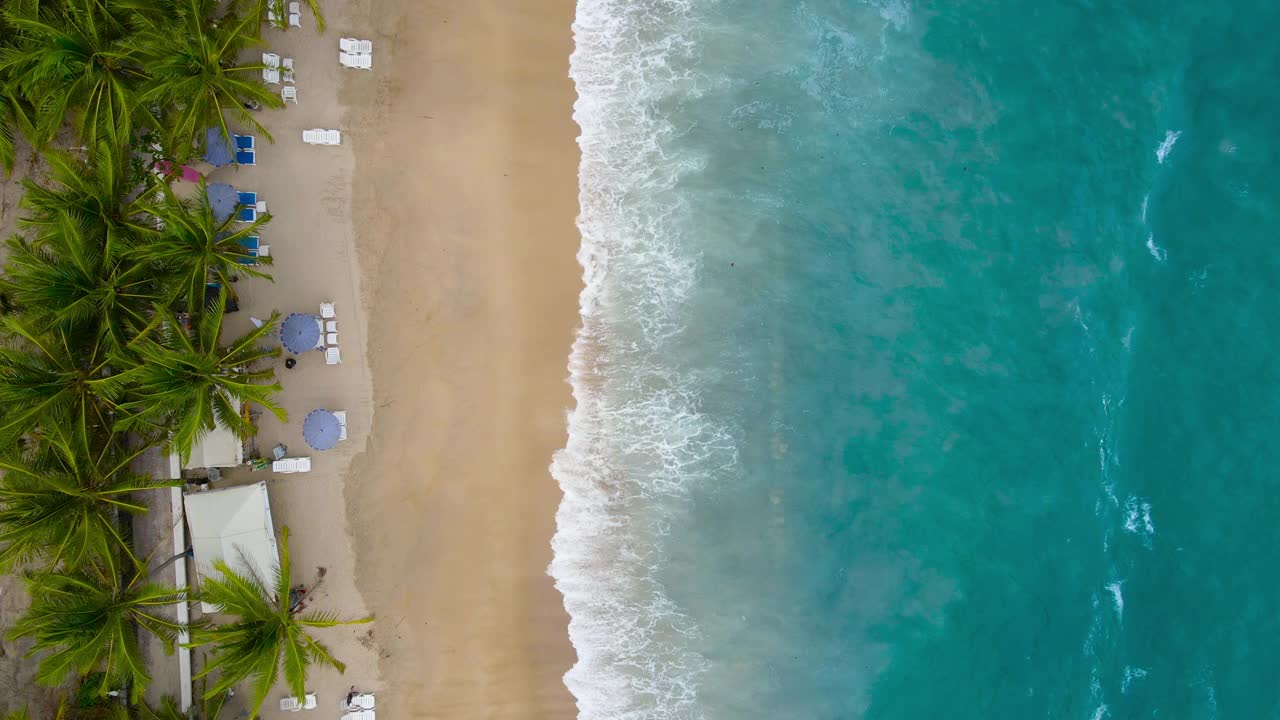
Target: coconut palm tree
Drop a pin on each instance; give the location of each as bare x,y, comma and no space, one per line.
183,379
75,270
53,379
60,504
190,56
86,620
15,117
192,248
75,57
269,634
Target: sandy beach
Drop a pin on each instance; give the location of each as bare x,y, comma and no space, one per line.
466,195
443,229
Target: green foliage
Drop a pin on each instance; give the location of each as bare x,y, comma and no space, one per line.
184,378
59,506
193,248
268,636
85,620
107,343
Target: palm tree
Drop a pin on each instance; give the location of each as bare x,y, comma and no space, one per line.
76,270
268,634
59,505
74,57
15,117
190,58
184,380
85,620
193,248
53,379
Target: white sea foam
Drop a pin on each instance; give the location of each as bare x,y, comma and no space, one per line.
1156,251
1117,598
1137,519
1131,673
1100,712
1145,199
1166,145
636,435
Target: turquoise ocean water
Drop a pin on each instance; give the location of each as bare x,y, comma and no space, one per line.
928,361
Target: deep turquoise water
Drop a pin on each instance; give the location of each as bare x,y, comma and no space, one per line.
928,363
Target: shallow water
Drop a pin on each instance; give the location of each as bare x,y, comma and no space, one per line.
926,365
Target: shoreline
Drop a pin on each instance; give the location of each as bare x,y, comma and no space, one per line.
464,211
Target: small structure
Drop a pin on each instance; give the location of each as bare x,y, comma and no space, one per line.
233,525
218,448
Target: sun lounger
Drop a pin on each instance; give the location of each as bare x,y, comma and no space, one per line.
247,214
352,45
245,157
291,704
355,61
289,92
342,427
328,310
322,137
366,715
261,207
331,338
331,326
286,70
364,47
295,14
365,701
264,251
248,198
346,59
271,60
332,356
244,142
292,465
272,17
320,330
271,75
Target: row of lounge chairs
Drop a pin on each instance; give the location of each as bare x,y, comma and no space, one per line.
245,150
295,14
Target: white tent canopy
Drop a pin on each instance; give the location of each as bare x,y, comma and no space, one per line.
233,525
215,449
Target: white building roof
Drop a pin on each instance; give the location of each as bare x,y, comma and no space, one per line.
233,525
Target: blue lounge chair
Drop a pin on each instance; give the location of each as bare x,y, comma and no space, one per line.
250,244
248,198
247,214
245,157
244,142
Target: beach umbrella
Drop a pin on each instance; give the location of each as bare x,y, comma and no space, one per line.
300,332
216,150
321,429
223,199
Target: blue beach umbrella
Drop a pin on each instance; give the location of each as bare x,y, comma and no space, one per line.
223,199
321,429
300,332
216,150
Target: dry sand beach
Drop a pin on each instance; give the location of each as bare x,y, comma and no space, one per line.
466,194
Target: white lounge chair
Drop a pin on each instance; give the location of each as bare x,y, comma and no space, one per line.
289,92
332,356
264,251
320,330
347,44
272,16
366,715
364,47
331,326
365,701
362,62
331,339
333,137
291,465
261,207
328,310
271,75
291,704
286,70
295,14
342,430
271,60
346,59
